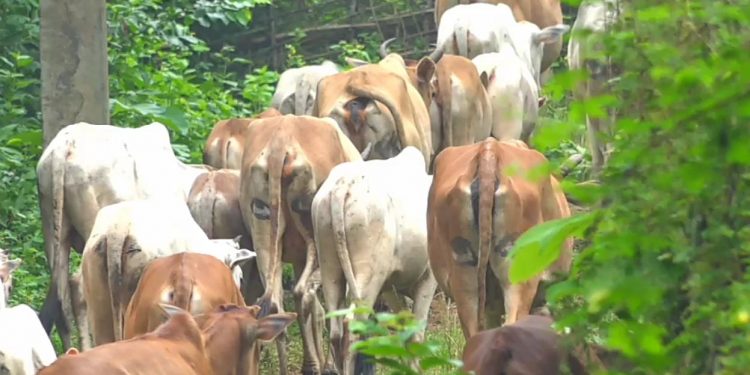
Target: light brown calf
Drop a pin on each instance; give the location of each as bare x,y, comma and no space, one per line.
183,346
476,211
194,282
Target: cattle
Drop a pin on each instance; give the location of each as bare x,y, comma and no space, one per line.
480,202
543,13
214,203
7,267
470,30
378,108
224,145
513,94
585,52
371,237
297,88
197,283
183,345
87,167
24,345
527,347
285,161
126,237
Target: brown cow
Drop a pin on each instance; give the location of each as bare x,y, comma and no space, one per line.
480,202
214,203
286,159
194,282
542,13
223,341
378,108
227,139
460,109
527,347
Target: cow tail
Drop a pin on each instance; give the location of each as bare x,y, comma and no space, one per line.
60,254
276,162
338,204
486,173
300,96
114,241
376,93
461,36
446,91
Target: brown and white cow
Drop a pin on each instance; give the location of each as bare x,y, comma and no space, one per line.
87,167
480,202
126,237
543,13
223,341
527,347
197,283
378,108
214,203
286,159
227,140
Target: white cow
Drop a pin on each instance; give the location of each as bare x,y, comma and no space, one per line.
24,345
297,88
514,78
371,236
126,237
87,167
594,17
469,30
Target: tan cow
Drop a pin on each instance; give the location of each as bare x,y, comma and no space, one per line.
286,159
197,283
476,210
214,203
227,139
183,345
543,13
456,97
378,108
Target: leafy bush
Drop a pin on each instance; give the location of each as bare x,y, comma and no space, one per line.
388,340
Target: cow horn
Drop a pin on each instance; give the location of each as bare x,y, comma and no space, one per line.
384,47
437,54
366,152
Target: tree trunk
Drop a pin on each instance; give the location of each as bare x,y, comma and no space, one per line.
74,64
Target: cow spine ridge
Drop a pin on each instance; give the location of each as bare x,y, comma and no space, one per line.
486,173
338,205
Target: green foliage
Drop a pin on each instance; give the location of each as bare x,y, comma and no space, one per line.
388,339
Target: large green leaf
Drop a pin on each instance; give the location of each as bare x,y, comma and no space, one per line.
540,246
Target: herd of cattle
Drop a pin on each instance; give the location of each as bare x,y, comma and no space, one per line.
378,184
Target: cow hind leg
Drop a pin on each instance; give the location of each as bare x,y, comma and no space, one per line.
423,293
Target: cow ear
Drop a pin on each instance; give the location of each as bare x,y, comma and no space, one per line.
425,69
238,257
266,329
549,34
237,240
484,79
171,310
